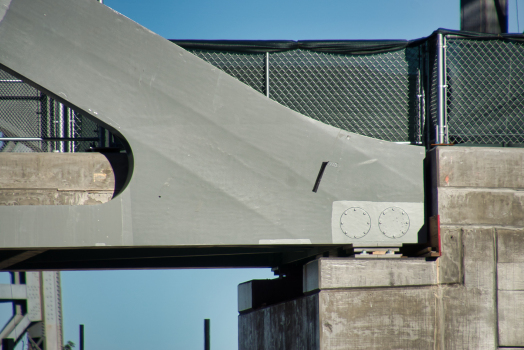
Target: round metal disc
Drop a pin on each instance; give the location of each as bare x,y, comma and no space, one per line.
393,222
355,222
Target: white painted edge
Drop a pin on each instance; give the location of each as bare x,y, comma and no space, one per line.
285,241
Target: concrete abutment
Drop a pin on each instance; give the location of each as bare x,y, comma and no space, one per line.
471,297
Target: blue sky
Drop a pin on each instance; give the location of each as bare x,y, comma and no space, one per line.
298,20
165,309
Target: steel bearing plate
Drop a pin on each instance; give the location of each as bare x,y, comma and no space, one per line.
355,222
393,222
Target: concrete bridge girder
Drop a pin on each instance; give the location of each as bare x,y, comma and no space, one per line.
211,161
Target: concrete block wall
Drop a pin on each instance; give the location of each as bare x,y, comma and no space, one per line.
478,193
472,297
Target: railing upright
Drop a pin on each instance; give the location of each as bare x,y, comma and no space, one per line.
442,134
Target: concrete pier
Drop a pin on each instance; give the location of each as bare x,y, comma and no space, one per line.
471,297
60,178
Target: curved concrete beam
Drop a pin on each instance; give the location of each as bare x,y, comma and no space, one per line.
214,162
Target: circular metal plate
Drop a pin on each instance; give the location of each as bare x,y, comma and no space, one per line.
355,222
393,222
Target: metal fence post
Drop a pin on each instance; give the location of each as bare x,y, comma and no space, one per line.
207,334
427,99
441,92
267,74
59,127
81,331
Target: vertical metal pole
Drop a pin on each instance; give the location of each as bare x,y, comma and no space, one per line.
50,124
81,337
62,112
428,97
445,89
267,74
207,335
420,95
8,344
101,136
441,92
72,120
65,132
44,118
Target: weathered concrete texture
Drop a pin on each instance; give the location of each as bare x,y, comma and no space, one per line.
510,284
467,319
53,197
510,276
450,265
328,273
477,185
479,258
510,258
60,178
511,317
64,171
468,312
480,167
291,325
477,300
454,308
510,245
389,318
481,207
478,194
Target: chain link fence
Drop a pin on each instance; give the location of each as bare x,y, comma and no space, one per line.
372,95
376,95
249,68
394,96
390,94
30,121
485,92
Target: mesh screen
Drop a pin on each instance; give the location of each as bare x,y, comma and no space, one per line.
25,112
388,96
249,68
485,98
372,95
20,112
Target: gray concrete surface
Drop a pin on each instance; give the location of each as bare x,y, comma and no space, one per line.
60,178
450,264
213,161
336,273
474,297
468,316
510,284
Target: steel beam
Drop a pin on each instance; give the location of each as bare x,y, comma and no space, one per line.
37,310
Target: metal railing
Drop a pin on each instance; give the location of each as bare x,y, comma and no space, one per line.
376,95
30,121
449,88
485,91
